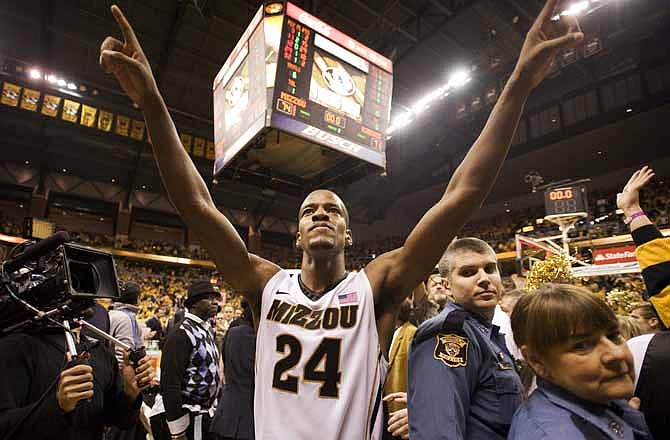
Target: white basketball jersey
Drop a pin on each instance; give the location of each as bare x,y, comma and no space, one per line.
319,368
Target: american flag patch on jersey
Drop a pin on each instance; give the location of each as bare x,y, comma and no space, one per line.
348,298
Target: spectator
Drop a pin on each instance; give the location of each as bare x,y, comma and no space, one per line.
646,318
650,351
190,370
234,418
584,368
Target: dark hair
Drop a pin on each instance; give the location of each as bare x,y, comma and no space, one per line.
472,244
647,309
554,313
246,311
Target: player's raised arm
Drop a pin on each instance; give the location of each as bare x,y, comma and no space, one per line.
184,185
394,275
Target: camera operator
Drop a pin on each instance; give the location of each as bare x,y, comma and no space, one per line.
43,396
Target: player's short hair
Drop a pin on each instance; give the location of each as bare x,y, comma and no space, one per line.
471,244
344,207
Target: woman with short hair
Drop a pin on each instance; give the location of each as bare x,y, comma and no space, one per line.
585,373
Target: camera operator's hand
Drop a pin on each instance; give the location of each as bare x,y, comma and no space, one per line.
135,380
76,383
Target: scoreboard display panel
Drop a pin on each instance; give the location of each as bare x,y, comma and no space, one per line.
565,200
292,73
331,89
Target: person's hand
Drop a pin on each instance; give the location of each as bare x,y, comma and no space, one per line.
398,424
545,39
127,62
75,384
635,403
135,380
628,199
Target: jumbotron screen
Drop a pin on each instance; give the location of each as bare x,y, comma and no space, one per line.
292,72
331,89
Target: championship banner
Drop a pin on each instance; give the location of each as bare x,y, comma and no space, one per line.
30,99
105,121
88,114
10,94
70,110
199,147
122,125
186,141
50,105
210,153
137,131
621,254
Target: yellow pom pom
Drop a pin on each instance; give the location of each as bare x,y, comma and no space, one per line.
555,269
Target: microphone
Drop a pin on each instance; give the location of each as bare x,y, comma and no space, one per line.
37,250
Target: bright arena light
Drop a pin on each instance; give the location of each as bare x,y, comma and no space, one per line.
35,74
52,79
61,82
458,79
576,8
72,86
462,76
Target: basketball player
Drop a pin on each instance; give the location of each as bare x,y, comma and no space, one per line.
319,362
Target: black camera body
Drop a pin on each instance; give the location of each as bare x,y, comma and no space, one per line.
53,279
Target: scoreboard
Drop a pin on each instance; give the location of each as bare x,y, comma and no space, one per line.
565,200
331,89
293,73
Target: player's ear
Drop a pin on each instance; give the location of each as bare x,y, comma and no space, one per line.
297,240
348,238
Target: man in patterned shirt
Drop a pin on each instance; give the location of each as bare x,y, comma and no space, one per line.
190,370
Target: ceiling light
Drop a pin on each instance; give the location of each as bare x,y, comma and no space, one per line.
64,170
61,82
35,74
576,8
458,79
71,86
52,79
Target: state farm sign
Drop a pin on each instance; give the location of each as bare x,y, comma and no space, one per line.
623,254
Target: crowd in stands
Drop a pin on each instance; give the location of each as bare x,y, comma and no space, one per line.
163,284
500,231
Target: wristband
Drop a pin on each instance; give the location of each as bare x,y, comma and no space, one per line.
633,216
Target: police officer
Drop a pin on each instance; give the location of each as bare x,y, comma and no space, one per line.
462,379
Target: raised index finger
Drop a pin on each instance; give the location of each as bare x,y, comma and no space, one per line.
126,29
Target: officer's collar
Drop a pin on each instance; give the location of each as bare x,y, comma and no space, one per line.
600,416
479,318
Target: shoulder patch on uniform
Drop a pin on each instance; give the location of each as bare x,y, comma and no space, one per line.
451,349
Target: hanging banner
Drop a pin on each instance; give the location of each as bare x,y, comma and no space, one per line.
70,110
30,99
88,115
137,131
50,105
122,125
210,153
10,94
105,121
186,141
199,147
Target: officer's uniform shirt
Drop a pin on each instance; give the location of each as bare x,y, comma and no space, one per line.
462,379
554,413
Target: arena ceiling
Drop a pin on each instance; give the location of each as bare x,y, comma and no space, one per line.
187,41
